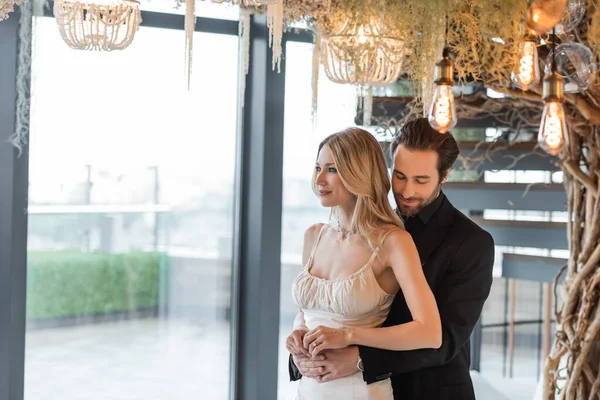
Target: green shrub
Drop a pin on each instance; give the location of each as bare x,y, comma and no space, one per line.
72,283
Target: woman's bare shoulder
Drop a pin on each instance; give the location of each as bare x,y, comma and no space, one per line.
387,230
312,231
393,236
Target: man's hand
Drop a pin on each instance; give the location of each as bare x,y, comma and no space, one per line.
294,343
329,365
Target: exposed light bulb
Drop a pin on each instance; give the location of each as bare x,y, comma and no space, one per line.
527,72
442,114
552,136
544,14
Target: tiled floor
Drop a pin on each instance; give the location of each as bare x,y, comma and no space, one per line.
153,359
130,360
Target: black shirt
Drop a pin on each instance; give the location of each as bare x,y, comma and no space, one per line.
415,225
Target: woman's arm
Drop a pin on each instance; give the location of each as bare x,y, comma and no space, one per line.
310,235
425,331
299,322
294,342
462,291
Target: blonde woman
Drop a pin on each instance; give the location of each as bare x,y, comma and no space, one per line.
353,267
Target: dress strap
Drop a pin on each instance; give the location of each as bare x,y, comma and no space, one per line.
314,249
378,248
386,235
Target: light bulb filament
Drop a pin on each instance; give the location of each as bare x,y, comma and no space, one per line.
442,110
552,135
527,72
526,67
442,114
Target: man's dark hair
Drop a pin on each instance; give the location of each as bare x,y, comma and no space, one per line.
419,135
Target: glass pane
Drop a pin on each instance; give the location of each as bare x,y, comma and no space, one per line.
301,208
130,219
516,373
493,319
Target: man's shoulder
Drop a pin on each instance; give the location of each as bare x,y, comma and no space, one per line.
464,227
468,238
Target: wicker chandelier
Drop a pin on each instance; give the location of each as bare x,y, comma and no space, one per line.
106,26
362,51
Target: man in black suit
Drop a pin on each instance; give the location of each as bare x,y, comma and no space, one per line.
457,258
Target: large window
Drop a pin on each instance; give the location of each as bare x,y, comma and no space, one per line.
512,358
301,208
130,219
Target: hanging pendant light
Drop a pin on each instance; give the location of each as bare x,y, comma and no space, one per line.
552,136
103,25
572,17
527,72
553,129
442,112
363,50
543,15
575,63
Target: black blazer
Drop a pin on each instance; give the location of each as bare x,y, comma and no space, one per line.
457,258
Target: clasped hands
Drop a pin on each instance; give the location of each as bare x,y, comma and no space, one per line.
333,357
314,342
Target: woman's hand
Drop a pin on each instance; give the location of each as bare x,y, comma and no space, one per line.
323,338
294,343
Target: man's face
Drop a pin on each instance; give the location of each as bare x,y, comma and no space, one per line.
415,179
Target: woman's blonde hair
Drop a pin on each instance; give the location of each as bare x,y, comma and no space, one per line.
361,167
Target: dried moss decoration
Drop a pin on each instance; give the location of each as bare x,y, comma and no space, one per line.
483,34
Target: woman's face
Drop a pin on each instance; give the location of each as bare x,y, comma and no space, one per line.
330,188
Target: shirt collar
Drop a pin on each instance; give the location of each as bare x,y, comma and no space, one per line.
429,211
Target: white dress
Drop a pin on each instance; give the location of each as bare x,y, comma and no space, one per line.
356,300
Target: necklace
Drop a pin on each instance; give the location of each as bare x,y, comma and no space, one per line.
342,231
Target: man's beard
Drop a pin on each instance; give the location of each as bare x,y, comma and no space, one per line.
421,203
